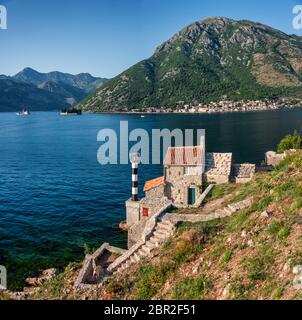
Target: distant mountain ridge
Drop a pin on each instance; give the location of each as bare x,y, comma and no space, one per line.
84,81
45,91
207,61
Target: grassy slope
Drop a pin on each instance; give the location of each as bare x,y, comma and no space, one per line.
216,260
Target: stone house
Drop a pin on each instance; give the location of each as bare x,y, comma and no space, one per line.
183,170
187,171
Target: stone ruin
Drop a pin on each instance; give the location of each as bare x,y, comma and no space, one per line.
95,265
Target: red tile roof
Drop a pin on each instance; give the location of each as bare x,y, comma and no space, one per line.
184,156
151,184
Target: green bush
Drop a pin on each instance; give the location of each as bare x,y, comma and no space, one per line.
291,141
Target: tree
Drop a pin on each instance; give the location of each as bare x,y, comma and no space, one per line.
291,141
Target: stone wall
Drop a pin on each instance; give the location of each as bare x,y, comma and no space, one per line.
86,276
177,184
157,192
218,168
132,212
135,233
217,179
242,173
153,205
273,159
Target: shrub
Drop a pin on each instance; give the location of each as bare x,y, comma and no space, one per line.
227,257
291,141
277,294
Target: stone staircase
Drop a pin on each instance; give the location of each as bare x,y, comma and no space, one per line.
233,208
162,232
164,229
225,212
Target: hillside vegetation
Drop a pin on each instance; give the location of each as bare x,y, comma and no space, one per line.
38,91
247,256
207,61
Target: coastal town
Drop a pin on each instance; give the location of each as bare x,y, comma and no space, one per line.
224,106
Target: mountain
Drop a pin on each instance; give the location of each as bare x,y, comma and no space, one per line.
15,96
45,91
206,61
83,81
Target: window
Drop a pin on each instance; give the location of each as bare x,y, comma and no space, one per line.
186,171
145,212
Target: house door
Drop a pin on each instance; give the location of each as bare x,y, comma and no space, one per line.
192,196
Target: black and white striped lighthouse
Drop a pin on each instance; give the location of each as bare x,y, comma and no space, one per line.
134,162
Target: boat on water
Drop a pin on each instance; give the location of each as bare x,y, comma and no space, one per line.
71,112
23,113
142,116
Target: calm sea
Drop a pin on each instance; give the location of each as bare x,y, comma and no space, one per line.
56,199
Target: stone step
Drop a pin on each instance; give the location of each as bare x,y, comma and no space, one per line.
147,250
232,207
134,258
165,225
150,245
228,211
161,234
160,241
120,269
219,212
142,254
155,241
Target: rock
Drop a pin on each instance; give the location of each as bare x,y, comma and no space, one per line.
123,226
195,270
46,275
244,234
35,282
286,267
250,243
297,269
226,291
298,219
297,283
17,295
266,214
50,273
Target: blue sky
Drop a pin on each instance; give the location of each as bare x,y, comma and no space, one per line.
105,37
